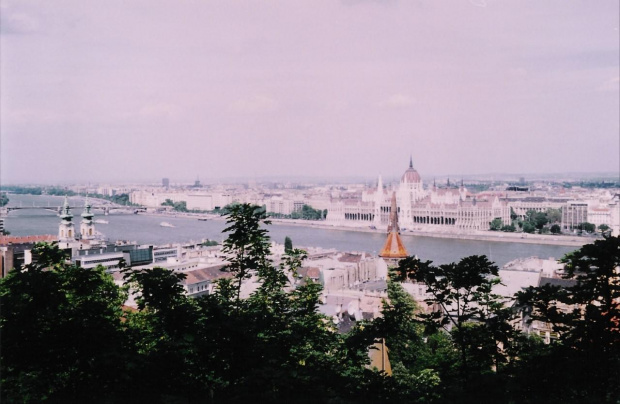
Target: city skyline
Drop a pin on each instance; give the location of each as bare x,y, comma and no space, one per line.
345,89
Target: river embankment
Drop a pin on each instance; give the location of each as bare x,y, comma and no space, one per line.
495,236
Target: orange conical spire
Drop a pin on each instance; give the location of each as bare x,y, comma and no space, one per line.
393,247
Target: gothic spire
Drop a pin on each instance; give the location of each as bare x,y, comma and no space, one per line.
393,247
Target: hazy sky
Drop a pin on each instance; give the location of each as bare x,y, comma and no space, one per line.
113,90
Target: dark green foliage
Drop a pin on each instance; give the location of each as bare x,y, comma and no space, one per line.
16,189
586,318
536,219
66,338
57,191
509,228
308,213
528,227
587,227
475,319
554,215
495,224
288,244
61,331
603,228
555,229
247,242
4,199
180,206
120,199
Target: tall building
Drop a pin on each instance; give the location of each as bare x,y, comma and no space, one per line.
165,182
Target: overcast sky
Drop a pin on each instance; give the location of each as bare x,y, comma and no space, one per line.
139,90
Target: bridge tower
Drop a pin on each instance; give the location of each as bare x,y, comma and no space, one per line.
66,229
87,226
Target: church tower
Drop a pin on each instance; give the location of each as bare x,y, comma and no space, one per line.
393,250
87,226
66,230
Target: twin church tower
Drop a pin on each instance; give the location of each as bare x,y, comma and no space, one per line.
66,229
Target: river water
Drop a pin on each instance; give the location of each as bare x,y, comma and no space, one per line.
145,229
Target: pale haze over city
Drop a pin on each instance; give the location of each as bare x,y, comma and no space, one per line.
124,91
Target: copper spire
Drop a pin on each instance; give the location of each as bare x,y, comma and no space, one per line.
393,247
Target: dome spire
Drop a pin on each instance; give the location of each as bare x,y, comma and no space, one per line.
411,161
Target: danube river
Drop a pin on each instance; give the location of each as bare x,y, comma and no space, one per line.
145,229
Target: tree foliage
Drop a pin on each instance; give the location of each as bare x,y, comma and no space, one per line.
66,336
61,330
180,206
496,224
288,244
586,317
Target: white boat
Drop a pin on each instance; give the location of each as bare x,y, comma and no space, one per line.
101,221
166,224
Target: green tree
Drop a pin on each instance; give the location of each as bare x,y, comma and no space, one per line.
509,228
495,224
554,215
4,199
585,316
247,242
555,229
587,227
513,215
603,228
162,335
466,308
415,368
61,331
273,346
528,227
288,244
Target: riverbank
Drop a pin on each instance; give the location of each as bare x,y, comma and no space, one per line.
494,236
503,237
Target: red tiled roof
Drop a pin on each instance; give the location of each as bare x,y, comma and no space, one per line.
4,240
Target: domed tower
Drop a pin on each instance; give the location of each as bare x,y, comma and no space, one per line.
411,181
87,226
66,230
410,191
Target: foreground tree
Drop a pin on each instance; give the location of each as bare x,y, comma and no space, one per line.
464,306
61,331
288,244
586,317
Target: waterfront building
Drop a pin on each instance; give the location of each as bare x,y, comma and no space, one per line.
419,208
521,205
573,214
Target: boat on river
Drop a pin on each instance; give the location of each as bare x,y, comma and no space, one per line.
166,224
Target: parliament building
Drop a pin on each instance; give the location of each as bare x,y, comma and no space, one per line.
419,208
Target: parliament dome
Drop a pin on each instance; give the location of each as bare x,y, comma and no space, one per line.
411,176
